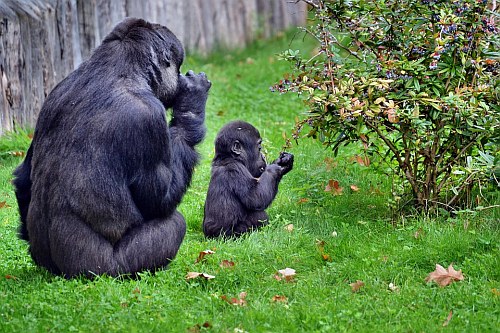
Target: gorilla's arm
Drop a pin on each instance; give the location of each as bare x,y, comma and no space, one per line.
187,124
257,193
168,163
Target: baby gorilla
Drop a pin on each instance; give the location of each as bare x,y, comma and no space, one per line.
241,185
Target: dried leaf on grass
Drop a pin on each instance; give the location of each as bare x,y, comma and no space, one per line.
444,277
202,255
356,286
330,163
321,248
447,321
333,186
280,299
226,264
194,275
286,274
241,301
419,233
198,328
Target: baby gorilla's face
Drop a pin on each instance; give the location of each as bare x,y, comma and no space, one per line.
257,161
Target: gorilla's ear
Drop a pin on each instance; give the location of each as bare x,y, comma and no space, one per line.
236,147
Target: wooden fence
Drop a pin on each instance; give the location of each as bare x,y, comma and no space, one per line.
41,41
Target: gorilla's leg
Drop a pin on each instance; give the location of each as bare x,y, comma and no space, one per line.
150,245
153,244
254,220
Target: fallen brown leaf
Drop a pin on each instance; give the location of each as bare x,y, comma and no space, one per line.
286,274
226,264
354,188
444,277
289,227
326,257
447,321
17,153
197,328
3,204
241,301
302,200
419,233
375,190
356,286
202,255
321,248
280,298
330,163
333,186
194,275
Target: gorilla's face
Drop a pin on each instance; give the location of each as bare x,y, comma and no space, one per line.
240,141
167,60
256,162
170,85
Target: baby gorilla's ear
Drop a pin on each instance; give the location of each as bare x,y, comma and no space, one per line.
236,147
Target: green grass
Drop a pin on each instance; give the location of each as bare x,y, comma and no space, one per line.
367,246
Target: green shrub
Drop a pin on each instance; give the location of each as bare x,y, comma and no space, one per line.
415,82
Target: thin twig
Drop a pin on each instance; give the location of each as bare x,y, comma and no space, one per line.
489,207
309,2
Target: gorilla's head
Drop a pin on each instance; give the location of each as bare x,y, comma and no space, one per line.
241,141
153,51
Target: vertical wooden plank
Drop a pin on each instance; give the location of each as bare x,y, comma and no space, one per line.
297,13
264,14
174,12
9,67
88,29
109,13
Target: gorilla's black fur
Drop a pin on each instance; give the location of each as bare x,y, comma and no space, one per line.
241,185
101,181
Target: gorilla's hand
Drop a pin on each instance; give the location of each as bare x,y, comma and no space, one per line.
192,93
285,161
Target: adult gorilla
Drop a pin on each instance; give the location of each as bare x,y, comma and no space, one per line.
101,181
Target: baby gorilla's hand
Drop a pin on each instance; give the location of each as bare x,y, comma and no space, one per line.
285,161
